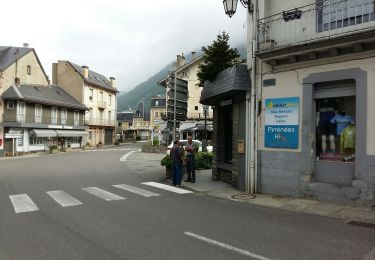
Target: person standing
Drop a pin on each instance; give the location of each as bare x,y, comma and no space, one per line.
177,156
191,150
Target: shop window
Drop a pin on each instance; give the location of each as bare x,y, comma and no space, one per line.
336,129
37,140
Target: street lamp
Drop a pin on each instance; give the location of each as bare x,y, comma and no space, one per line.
230,6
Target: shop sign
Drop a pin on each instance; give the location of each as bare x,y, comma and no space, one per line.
224,103
282,123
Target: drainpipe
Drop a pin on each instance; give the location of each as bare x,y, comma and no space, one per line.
251,107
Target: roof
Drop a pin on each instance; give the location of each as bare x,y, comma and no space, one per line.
8,56
94,78
140,111
125,116
162,82
232,80
50,95
161,102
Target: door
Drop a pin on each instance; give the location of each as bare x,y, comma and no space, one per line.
335,110
108,136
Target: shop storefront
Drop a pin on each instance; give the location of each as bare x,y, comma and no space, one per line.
315,134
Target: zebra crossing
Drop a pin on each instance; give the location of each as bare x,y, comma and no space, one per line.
22,203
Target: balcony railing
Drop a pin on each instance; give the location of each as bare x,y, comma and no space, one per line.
100,122
321,20
40,120
102,104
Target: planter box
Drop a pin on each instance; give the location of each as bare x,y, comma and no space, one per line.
52,151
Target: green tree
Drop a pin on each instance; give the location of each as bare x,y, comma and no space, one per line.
217,57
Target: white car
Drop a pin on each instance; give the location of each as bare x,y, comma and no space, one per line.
196,142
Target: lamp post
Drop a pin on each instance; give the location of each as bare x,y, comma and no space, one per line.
230,7
205,111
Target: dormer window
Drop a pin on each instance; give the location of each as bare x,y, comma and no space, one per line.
28,69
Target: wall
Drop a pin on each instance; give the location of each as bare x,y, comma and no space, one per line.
153,110
68,79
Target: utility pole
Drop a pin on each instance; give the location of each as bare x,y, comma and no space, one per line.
174,109
205,110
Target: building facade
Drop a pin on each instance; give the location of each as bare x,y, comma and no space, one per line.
314,76
37,117
96,92
23,63
157,112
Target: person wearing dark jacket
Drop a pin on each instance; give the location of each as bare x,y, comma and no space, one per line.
177,161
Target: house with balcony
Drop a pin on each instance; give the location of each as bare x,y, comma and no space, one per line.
125,121
141,126
315,68
22,63
36,117
196,115
96,92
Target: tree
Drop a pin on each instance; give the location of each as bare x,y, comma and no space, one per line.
217,57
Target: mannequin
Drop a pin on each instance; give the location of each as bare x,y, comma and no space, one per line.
324,116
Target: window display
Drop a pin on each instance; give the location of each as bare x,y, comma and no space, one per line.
335,130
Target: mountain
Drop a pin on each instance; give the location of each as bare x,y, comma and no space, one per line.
144,91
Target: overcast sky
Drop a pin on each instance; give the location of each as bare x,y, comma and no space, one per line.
130,40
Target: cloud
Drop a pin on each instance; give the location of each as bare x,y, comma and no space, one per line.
130,40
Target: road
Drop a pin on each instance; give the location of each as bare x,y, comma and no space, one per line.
108,204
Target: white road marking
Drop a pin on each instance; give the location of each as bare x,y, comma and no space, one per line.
167,187
105,195
107,150
23,203
63,198
136,190
220,244
125,157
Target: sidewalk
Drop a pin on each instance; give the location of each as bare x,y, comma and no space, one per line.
345,211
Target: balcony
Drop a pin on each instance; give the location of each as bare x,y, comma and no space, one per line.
102,105
100,122
322,20
23,120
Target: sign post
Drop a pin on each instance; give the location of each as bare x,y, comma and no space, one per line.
282,123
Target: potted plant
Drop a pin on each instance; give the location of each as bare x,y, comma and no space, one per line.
167,162
53,149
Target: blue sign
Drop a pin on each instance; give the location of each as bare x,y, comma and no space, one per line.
282,123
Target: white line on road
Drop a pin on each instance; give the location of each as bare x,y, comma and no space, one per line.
167,187
23,203
63,198
136,190
105,195
220,244
107,150
125,157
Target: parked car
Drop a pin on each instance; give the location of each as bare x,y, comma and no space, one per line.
196,142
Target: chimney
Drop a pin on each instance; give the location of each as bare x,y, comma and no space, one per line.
55,79
26,45
85,71
193,55
180,61
112,80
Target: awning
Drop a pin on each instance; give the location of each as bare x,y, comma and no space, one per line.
44,133
70,133
232,81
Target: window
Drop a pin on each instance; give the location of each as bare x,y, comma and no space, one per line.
10,105
91,97
63,116
110,100
76,117
109,116
38,114
37,140
196,108
21,112
54,116
156,114
335,14
28,69
156,103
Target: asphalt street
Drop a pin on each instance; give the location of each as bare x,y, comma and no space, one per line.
111,204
